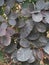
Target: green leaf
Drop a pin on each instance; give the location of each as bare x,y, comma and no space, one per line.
25,4
34,1
1,56
1,11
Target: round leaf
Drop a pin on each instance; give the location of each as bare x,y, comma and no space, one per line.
24,43
25,31
12,22
6,40
37,17
41,27
1,2
23,54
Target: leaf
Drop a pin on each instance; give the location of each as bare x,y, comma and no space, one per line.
2,32
40,4
24,43
12,22
9,49
1,11
5,40
46,48
34,1
21,23
33,35
10,3
23,54
4,25
25,31
10,31
25,4
1,18
37,17
41,27
1,56
7,10
32,58
47,18
1,2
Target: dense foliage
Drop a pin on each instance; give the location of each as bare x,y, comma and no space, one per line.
24,31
